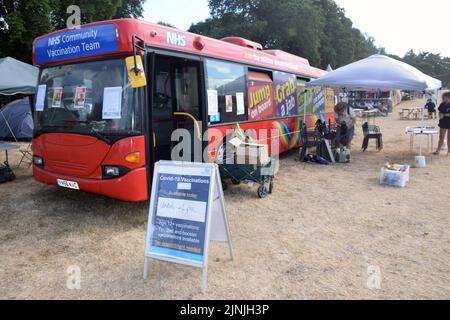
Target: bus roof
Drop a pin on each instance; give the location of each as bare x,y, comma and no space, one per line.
114,37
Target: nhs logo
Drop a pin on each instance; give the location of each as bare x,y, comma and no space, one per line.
54,41
176,39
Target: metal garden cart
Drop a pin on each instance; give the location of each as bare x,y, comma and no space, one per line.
261,175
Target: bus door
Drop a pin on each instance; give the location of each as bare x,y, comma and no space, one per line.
187,113
176,105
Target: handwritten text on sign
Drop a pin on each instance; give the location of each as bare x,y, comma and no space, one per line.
182,209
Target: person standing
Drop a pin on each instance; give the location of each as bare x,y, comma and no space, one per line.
431,107
444,122
345,119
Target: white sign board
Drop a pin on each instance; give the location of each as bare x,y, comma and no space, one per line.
187,210
112,103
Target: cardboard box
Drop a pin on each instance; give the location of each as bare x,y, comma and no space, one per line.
250,153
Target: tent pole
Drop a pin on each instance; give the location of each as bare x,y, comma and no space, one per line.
304,107
422,124
7,123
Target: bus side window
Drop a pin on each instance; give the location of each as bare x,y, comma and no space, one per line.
229,80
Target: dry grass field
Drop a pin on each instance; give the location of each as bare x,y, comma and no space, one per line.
314,238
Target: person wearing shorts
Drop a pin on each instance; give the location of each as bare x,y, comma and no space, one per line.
444,122
431,107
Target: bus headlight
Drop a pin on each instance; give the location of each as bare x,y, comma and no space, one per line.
38,161
112,172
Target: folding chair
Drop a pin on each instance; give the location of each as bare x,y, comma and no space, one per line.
27,156
372,132
310,139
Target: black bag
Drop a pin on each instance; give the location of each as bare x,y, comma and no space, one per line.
6,174
343,134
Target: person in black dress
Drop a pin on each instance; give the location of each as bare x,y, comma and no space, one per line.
444,122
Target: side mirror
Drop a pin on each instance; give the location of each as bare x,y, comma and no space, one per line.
136,73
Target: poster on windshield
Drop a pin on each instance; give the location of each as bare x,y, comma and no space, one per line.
112,103
80,97
285,94
40,97
57,97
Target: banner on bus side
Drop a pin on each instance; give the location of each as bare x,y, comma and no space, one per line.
187,211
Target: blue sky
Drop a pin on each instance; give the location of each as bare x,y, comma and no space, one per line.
397,25
180,13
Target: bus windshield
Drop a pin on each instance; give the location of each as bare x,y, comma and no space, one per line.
92,98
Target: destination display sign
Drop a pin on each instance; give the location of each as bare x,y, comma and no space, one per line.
77,43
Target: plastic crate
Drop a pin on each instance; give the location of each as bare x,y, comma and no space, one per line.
395,175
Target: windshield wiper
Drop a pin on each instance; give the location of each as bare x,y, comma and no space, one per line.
100,136
90,125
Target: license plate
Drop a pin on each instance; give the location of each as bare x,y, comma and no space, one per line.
68,184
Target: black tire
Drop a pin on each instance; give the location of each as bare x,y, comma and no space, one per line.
235,182
262,192
271,186
12,177
224,186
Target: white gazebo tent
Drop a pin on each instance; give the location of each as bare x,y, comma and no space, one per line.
379,72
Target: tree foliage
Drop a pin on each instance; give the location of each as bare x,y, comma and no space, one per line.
432,64
284,24
166,24
21,21
316,29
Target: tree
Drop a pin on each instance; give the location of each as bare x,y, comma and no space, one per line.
21,21
432,64
98,10
162,23
130,9
286,24
316,29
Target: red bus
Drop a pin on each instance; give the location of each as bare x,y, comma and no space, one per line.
97,133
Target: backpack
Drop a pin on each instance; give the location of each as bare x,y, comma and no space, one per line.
6,174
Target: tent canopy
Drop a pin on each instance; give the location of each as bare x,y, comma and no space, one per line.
16,121
17,77
378,72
